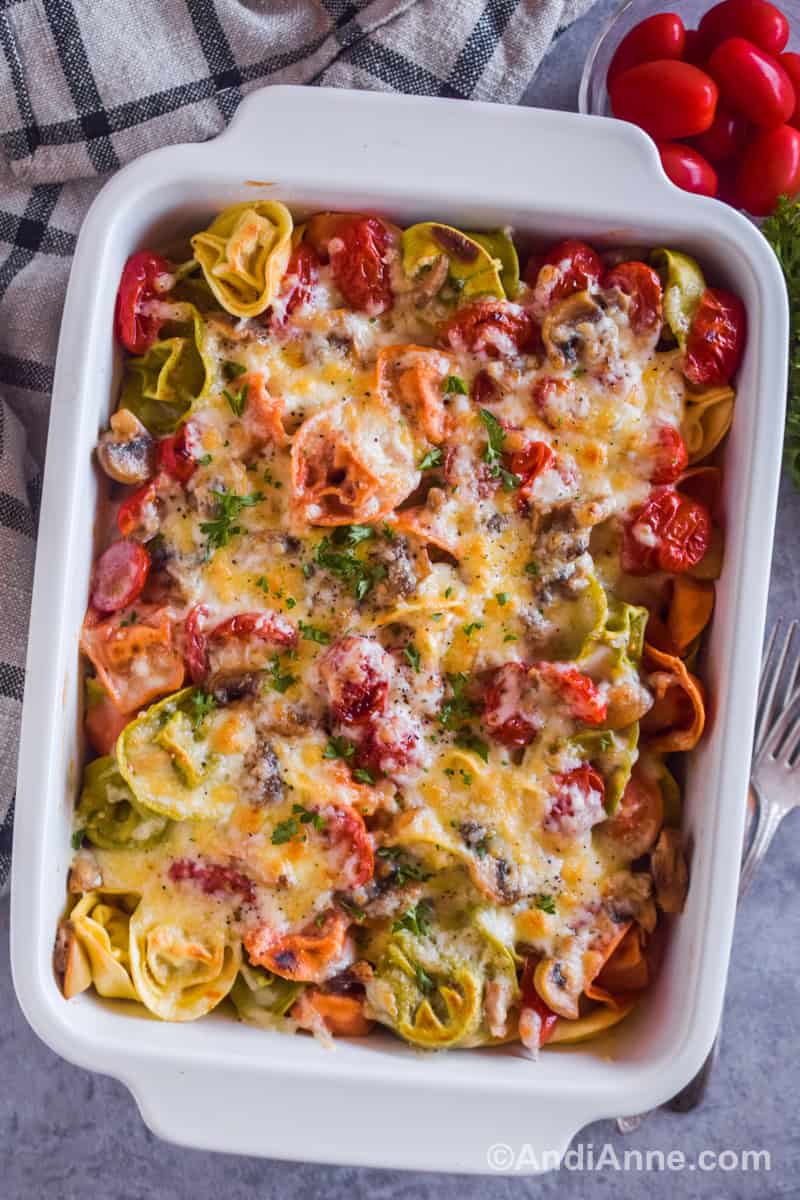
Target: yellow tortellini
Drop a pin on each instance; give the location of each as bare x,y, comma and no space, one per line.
475,267
183,961
707,418
244,253
100,922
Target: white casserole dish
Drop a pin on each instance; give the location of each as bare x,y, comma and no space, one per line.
220,1085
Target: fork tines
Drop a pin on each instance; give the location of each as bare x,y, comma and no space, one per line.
773,691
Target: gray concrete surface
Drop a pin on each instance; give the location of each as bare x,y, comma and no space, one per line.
68,1135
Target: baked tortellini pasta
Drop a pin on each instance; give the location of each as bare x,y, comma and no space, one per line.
393,645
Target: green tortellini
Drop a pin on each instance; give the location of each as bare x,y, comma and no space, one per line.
613,752
108,813
161,386
474,269
574,623
244,254
262,998
683,284
184,758
501,247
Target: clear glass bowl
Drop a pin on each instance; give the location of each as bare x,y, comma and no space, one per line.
593,97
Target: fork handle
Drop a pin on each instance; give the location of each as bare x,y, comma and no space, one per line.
770,819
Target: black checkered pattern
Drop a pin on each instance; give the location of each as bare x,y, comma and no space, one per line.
87,85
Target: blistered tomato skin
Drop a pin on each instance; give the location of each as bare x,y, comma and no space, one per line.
667,99
671,457
759,22
688,169
716,339
726,137
119,575
358,257
770,168
643,285
660,36
752,82
135,328
579,266
670,532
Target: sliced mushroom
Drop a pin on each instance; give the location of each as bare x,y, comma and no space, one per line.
85,874
71,962
629,897
430,281
670,872
559,983
570,325
126,451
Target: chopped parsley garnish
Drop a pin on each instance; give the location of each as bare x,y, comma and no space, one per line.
432,459
339,747
312,633
470,629
416,920
201,704
468,740
131,619
236,400
351,908
263,583
224,526
501,598
546,903
466,776
290,602
205,461
448,591
232,370
279,680
411,655
458,709
308,816
454,383
402,869
284,831
77,839
532,569
337,554
510,637
493,454
361,775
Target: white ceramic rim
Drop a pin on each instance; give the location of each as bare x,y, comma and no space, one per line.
216,1084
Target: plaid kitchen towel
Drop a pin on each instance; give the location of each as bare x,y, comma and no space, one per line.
87,85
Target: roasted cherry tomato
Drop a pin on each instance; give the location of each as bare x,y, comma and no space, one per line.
688,169
657,37
507,711
256,626
530,999
195,650
119,575
671,457
791,65
138,516
670,532
527,464
725,138
643,285
344,830
770,168
578,692
752,83
716,338
301,273
577,802
579,267
667,99
358,257
759,22
212,878
135,328
492,327
174,455
356,672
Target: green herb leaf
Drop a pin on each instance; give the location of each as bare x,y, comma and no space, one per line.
232,370
309,816
131,619
532,569
337,555
313,634
77,839
201,704
454,383
361,775
224,525
351,908
458,709
468,740
493,454
339,747
546,903
470,629
501,598
403,869
424,981
416,920
205,461
236,400
411,655
432,459
782,231
284,831
279,680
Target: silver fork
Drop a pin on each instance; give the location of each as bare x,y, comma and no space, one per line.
776,750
